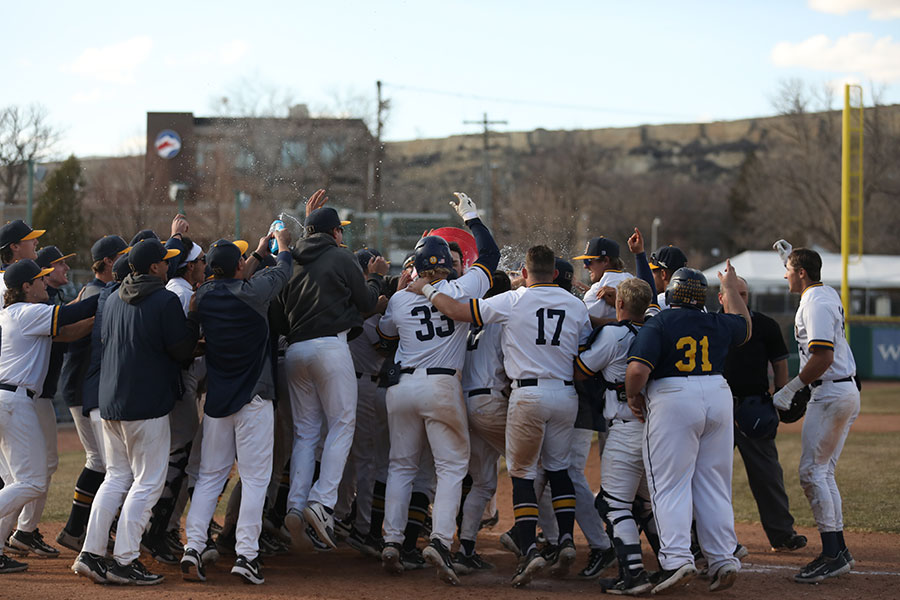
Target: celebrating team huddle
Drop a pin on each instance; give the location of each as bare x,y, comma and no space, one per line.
374,410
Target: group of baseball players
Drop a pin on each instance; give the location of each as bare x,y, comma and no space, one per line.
375,410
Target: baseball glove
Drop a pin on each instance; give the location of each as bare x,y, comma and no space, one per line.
798,406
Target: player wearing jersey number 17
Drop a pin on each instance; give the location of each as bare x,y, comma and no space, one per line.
688,431
543,326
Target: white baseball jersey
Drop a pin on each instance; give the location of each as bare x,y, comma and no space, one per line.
484,360
659,305
25,347
365,358
543,327
599,309
820,322
181,288
608,355
428,338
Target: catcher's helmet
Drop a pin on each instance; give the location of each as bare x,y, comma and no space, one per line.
433,252
687,288
565,274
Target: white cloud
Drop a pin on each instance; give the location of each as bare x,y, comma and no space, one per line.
87,97
115,63
880,10
857,53
233,51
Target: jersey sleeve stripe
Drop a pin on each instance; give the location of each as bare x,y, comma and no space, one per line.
54,326
822,343
476,313
643,360
580,364
382,335
486,272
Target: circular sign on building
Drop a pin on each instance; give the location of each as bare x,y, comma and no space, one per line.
168,143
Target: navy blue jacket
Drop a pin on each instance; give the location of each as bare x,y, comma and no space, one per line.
91,394
77,356
233,315
146,339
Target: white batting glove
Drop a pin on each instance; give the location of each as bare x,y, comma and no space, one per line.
466,208
783,248
783,397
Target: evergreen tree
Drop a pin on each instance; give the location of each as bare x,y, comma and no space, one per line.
58,210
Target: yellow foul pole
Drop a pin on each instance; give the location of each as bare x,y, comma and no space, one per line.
851,186
845,202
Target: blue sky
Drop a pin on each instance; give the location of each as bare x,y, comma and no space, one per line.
98,67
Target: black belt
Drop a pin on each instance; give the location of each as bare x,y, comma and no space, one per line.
430,371
14,388
819,382
372,377
534,382
480,392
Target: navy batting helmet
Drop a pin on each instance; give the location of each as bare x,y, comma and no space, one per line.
433,252
756,417
687,288
565,273
364,255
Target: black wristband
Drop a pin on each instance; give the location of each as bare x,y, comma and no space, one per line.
257,256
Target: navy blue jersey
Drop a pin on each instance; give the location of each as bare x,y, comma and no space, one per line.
681,341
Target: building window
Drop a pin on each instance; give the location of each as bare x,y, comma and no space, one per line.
331,151
293,153
245,159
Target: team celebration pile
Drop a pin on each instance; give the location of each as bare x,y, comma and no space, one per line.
375,410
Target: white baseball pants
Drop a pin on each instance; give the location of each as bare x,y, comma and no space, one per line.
24,456
426,410
826,425
30,515
539,426
487,434
322,385
90,439
359,474
622,477
688,456
137,458
248,435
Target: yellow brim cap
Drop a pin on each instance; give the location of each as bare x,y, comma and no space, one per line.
242,245
653,267
62,258
35,233
584,257
43,272
345,223
125,251
171,253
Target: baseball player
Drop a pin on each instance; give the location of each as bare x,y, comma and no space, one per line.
606,269
543,326
828,367
622,467
486,390
664,262
27,538
146,338
689,432
28,323
239,416
426,405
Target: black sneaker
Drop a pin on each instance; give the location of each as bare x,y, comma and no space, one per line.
267,545
133,573
342,528
248,570
92,566
740,552
317,543
412,560
322,522
509,542
67,540
33,542
723,579
822,568
438,555
13,551
11,565
563,559
794,542
530,565
173,540
598,561
390,558
629,585
489,523
848,557
671,578
470,563
367,545
210,553
192,566
158,548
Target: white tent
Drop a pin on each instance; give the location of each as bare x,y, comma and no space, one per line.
763,269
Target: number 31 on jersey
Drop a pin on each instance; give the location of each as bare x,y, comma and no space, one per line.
688,345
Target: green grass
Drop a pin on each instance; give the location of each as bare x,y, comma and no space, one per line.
866,475
880,399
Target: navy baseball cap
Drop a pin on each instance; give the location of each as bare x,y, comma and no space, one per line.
224,255
108,246
565,274
18,231
144,234
148,252
121,268
668,257
23,271
364,255
599,247
323,220
49,255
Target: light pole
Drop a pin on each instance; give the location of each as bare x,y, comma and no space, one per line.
34,171
241,200
653,231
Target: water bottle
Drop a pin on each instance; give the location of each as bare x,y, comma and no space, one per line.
277,225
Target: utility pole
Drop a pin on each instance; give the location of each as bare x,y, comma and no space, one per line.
378,154
487,177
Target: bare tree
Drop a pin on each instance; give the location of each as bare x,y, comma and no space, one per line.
25,135
252,96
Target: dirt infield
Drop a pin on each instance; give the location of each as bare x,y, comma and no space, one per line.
346,575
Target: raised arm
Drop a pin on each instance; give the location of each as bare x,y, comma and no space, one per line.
488,252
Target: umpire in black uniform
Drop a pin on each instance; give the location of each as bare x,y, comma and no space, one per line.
756,422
